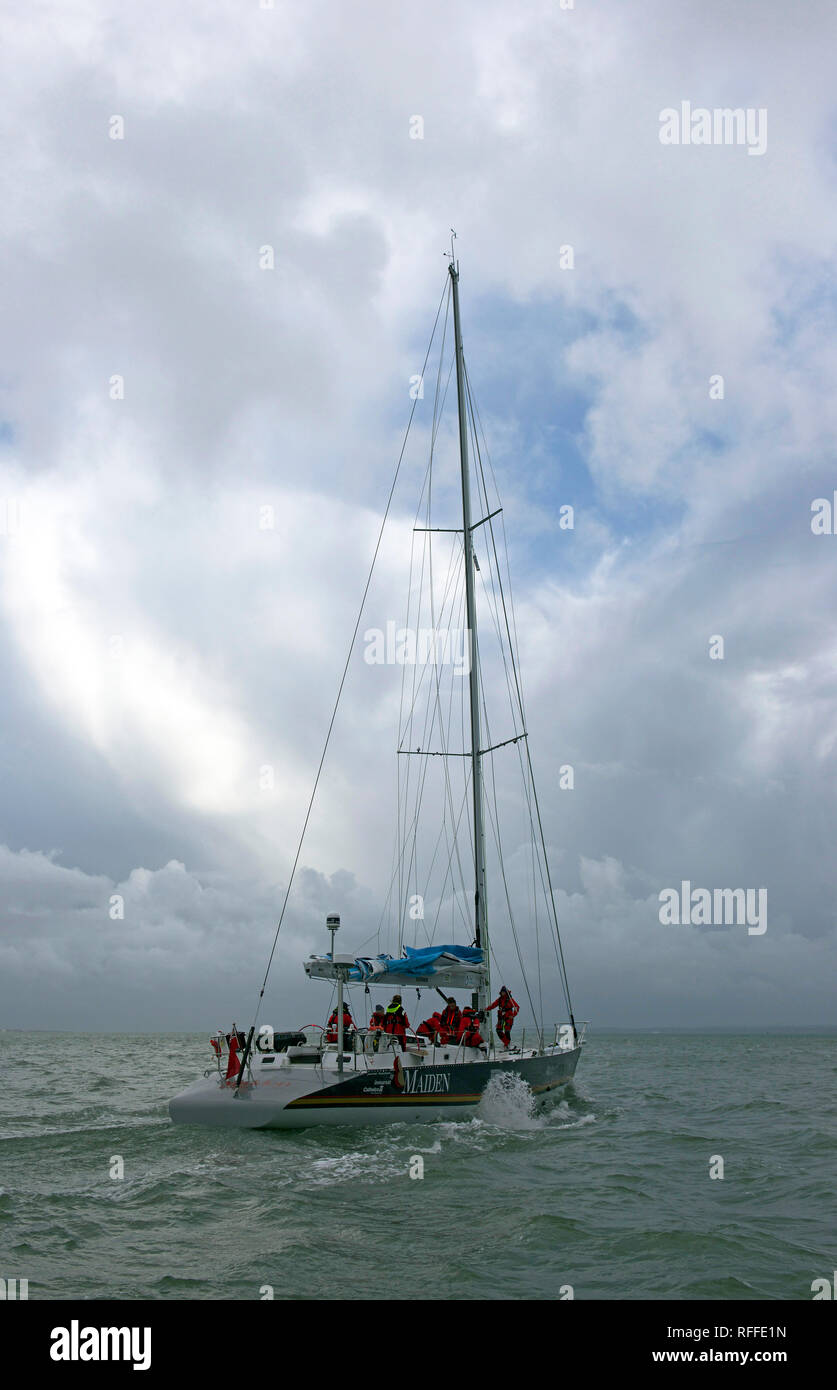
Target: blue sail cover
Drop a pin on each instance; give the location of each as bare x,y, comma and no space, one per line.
419,962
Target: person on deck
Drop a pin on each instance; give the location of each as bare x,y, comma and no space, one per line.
507,1011
469,1035
431,1028
465,1020
377,1025
348,1027
396,1021
451,1019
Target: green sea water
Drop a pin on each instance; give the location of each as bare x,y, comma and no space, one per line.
608,1192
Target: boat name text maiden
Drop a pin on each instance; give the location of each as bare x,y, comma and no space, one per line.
417,1080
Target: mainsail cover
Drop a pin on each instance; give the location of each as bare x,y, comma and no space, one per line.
451,965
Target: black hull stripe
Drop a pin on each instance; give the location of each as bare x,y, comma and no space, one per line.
318,1103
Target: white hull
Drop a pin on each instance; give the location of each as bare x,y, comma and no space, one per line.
428,1087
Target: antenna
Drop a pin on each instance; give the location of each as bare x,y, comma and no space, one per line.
332,925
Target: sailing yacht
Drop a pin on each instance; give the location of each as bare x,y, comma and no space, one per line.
268,1079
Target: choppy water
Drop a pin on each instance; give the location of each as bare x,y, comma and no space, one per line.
608,1191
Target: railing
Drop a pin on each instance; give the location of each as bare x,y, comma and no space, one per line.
370,1045
367,1045
562,1036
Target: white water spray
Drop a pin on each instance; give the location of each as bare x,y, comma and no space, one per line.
507,1101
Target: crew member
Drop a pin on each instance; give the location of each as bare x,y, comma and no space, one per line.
348,1026
466,1019
431,1028
470,1035
396,1021
507,1011
377,1025
451,1019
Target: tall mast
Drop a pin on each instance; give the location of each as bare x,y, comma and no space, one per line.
474,673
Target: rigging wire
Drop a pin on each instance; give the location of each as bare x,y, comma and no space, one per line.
426,486
519,694
343,677
444,728
429,724
434,714
495,825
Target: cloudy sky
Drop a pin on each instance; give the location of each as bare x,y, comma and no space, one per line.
160,387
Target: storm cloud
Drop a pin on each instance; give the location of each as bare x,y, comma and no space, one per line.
195,451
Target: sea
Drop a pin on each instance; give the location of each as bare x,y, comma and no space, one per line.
683,1166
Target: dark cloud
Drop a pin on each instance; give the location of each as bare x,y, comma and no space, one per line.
171,657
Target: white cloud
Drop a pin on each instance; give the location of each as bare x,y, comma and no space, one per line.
245,388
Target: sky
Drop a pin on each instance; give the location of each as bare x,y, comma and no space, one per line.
223,233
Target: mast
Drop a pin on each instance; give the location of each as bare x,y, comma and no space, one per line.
474,673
